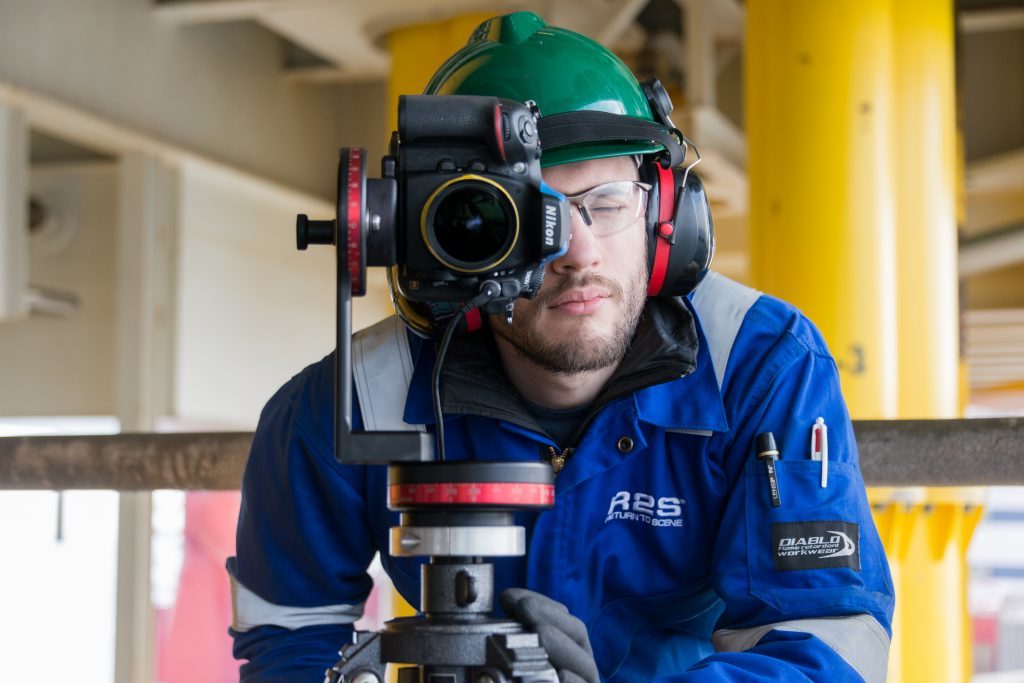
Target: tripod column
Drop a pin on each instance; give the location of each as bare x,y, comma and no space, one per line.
456,588
416,52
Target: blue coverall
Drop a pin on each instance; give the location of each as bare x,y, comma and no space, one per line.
666,543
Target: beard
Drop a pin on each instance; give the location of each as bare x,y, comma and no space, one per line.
586,350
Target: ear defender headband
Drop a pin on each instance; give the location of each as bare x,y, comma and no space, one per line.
680,231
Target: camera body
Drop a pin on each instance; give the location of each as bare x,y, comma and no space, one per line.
471,203
461,202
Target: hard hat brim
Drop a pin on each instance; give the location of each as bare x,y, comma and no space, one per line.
598,150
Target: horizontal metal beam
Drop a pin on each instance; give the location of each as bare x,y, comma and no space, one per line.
124,462
975,452
978,452
994,19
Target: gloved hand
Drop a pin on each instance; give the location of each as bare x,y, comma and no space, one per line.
562,635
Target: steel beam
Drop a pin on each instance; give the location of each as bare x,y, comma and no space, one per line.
978,452
124,462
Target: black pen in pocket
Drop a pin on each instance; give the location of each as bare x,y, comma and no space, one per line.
769,453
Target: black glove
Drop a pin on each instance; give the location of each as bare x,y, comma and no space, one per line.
562,635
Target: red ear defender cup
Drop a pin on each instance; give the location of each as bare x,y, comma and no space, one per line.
680,231
664,231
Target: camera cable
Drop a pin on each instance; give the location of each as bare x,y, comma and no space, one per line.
488,290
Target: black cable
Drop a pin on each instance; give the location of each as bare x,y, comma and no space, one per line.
488,291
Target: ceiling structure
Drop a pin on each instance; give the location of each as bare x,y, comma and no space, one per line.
345,42
695,40
696,47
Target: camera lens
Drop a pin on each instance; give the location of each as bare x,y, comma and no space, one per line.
471,225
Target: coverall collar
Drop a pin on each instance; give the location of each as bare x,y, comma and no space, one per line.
667,369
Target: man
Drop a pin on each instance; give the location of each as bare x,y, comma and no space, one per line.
671,554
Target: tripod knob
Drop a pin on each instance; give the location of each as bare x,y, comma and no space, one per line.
309,232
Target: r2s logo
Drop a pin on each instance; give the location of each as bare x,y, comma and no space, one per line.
646,509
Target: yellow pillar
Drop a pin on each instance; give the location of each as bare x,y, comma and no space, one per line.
851,132
416,53
822,203
818,101
935,636
927,282
894,522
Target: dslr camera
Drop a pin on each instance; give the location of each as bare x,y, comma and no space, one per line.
460,204
463,221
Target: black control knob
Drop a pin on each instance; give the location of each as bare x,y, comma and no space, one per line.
309,232
527,130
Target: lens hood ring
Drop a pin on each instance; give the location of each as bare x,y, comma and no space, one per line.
442,193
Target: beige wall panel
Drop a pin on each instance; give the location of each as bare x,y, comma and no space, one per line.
252,310
65,366
219,88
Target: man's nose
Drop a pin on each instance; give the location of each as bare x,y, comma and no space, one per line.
584,248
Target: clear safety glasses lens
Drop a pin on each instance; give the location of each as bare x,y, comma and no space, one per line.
612,207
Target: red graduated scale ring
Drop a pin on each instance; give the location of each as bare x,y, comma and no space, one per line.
355,209
471,493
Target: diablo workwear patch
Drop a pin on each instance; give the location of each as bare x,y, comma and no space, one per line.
816,545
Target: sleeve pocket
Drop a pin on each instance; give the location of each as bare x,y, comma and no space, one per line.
806,555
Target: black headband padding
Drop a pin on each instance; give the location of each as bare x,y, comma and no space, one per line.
581,127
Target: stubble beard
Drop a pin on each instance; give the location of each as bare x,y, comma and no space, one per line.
586,350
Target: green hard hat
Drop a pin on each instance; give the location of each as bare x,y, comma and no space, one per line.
519,57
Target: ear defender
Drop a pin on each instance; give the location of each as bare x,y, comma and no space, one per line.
680,230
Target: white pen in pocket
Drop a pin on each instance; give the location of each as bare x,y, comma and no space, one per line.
819,447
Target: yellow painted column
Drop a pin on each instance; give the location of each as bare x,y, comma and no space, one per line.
935,634
418,50
820,124
926,163
819,135
416,53
894,512
852,159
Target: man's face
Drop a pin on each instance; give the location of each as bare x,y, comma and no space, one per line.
590,302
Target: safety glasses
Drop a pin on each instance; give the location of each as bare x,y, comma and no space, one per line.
611,207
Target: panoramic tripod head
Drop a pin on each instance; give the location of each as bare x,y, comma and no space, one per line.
455,513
